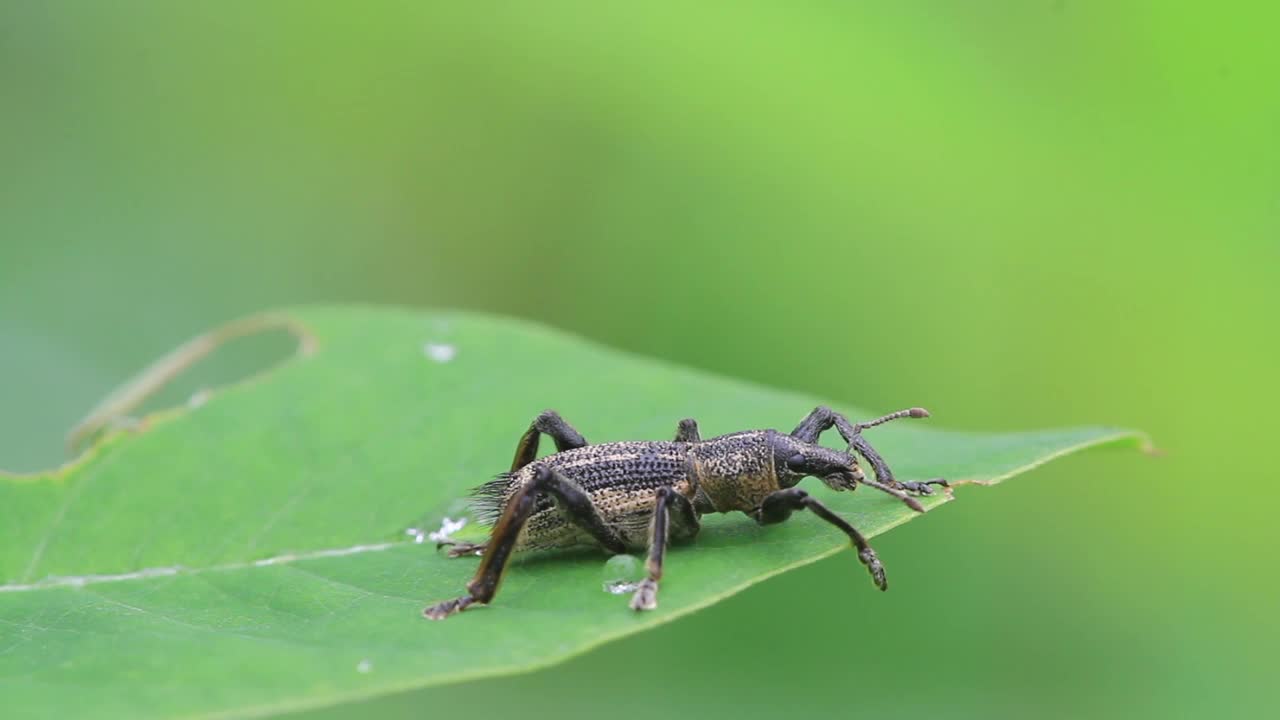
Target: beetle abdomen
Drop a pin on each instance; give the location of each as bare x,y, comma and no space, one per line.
620,477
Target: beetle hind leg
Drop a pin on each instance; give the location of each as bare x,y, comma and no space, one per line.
461,549
550,423
571,501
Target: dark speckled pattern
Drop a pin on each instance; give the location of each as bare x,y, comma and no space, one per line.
723,474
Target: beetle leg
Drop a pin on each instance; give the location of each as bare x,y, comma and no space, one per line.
779,505
461,549
666,502
687,431
570,500
549,422
922,486
883,474
820,420
824,418
646,596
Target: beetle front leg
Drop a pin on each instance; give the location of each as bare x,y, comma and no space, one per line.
779,505
820,420
570,500
824,418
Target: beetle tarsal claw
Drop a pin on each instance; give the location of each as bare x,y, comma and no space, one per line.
461,549
646,596
868,558
442,610
923,486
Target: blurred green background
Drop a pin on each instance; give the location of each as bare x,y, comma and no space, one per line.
1017,214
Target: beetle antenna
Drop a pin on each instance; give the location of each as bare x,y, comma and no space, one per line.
915,412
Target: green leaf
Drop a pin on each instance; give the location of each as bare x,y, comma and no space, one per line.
248,555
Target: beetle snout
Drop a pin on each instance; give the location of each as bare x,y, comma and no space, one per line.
843,479
841,471
852,472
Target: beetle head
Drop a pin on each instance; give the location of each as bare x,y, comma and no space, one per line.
794,460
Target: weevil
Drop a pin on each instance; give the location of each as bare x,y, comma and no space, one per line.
642,495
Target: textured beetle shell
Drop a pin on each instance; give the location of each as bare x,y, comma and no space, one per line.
736,470
731,472
620,477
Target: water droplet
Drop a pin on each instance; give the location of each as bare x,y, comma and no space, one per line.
618,587
440,352
417,535
622,574
364,666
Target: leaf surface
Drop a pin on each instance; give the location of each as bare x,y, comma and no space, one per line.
249,556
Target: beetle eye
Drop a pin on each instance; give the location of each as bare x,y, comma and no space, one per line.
796,462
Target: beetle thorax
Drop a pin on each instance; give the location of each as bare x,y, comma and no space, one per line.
734,472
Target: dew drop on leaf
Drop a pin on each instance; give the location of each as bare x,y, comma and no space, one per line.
622,574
